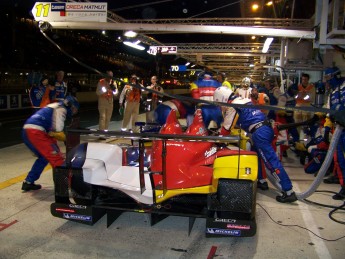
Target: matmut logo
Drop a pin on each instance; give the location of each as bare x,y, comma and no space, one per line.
59,7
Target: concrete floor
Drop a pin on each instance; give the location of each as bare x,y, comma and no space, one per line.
28,230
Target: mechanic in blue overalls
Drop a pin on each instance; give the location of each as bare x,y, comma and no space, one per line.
40,134
336,102
261,134
203,89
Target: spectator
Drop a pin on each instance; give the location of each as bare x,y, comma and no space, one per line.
130,99
106,89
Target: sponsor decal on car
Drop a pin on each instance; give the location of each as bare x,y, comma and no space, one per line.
77,217
219,231
76,206
233,226
65,210
210,152
225,220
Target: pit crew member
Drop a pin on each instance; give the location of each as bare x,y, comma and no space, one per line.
336,101
203,89
261,134
40,134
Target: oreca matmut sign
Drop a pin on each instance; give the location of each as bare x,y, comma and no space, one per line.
70,12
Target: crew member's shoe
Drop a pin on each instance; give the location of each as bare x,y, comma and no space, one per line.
263,186
285,198
30,186
331,179
340,195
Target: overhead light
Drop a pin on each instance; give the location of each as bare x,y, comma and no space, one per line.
187,64
255,7
134,45
267,45
192,65
130,34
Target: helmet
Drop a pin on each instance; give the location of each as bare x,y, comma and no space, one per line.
331,76
222,94
72,105
246,81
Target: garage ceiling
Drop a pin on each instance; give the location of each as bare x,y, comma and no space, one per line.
218,34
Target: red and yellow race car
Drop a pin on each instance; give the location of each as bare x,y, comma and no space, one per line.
176,172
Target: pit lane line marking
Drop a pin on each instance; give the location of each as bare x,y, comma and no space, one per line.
4,226
19,178
320,246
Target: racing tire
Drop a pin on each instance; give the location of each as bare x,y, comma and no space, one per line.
236,198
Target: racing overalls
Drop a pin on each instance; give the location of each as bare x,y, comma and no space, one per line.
260,131
60,90
203,89
184,110
40,96
336,102
40,134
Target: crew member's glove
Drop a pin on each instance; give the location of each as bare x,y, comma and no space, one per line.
58,135
300,146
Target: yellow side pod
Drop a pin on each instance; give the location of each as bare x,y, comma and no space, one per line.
244,167
223,167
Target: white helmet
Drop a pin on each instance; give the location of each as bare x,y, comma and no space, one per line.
222,94
246,81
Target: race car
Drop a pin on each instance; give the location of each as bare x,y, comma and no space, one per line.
176,172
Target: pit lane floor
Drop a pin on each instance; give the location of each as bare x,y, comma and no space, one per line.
28,230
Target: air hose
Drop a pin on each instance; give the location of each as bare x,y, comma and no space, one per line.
325,165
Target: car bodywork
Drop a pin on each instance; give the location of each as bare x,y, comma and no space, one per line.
177,172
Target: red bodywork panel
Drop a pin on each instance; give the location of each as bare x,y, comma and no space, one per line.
188,164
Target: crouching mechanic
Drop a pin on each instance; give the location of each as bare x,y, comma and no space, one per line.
336,102
261,134
40,134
